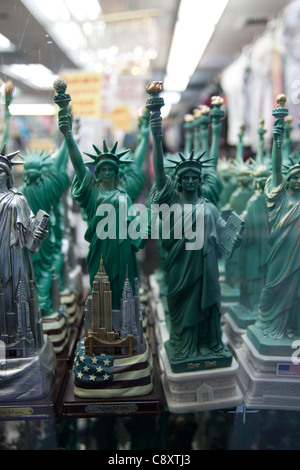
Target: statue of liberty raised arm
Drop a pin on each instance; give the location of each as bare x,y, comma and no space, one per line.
280,298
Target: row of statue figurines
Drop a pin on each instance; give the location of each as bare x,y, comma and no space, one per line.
263,193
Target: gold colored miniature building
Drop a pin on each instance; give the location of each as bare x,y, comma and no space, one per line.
102,338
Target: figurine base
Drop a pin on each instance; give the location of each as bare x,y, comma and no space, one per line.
242,316
233,332
56,327
268,382
107,376
269,346
200,390
23,379
202,362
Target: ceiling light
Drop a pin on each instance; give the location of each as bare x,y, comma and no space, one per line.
195,25
6,45
70,35
37,109
171,97
62,20
176,82
34,75
165,111
53,10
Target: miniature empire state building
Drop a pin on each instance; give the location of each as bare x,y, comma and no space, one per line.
113,360
112,331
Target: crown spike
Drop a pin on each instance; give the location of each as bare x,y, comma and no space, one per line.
105,148
121,154
182,156
172,161
92,156
114,148
3,151
198,158
10,156
98,151
108,155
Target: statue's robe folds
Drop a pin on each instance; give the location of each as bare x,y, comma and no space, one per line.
253,253
193,279
16,218
118,253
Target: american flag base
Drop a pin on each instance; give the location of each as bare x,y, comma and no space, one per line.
108,376
268,382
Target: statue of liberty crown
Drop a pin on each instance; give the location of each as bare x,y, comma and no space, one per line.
6,159
181,162
108,156
294,166
36,159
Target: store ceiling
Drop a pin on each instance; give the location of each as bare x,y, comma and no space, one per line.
241,23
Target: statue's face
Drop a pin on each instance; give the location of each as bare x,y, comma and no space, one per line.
106,173
190,181
294,183
226,176
3,176
243,180
32,175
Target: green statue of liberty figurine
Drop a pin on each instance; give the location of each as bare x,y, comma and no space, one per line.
197,138
193,285
278,322
237,203
44,181
254,251
96,194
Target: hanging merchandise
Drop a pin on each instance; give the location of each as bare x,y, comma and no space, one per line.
234,81
261,83
291,42
251,82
